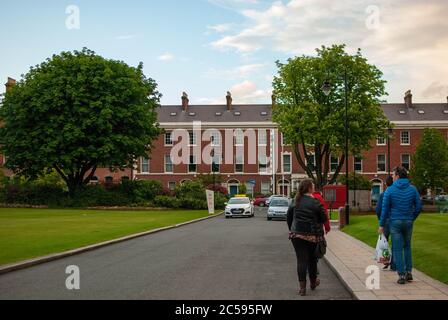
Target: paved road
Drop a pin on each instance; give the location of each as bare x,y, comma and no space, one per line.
213,259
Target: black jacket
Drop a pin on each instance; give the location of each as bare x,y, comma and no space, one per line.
308,218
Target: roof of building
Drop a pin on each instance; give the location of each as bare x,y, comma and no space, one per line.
419,112
216,113
263,113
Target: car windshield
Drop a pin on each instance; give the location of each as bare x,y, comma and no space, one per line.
280,203
239,201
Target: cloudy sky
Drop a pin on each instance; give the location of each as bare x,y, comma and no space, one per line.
206,47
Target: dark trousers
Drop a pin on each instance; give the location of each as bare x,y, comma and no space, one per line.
306,258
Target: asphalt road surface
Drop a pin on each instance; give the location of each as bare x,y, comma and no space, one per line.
229,259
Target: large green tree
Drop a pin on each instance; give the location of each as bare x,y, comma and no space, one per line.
75,112
313,123
430,162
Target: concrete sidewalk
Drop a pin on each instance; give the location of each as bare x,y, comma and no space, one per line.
350,257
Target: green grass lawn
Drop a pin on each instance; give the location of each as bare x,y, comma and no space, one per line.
30,233
429,246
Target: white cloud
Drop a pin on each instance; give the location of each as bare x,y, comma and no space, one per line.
409,43
221,28
243,71
166,57
246,92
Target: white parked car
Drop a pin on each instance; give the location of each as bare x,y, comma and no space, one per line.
239,207
278,208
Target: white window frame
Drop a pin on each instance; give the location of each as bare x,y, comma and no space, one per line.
409,138
265,164
171,182
192,163
401,158
192,134
215,139
290,162
354,164
378,163
268,190
239,163
262,142
168,144
219,163
378,143
165,164
331,163
239,138
142,160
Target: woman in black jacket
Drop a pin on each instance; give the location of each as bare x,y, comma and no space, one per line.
305,222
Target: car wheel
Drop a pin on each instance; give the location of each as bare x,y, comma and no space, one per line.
262,204
269,219
227,217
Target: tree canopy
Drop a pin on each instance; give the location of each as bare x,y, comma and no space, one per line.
313,123
75,112
430,162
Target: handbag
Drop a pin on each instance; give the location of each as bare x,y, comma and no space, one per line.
321,249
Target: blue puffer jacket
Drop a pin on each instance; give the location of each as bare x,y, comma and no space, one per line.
401,202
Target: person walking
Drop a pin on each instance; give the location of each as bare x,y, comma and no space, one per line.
305,223
402,206
379,208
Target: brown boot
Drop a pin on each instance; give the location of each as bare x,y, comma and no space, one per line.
302,288
314,283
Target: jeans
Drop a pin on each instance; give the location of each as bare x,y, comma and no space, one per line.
306,258
401,231
387,235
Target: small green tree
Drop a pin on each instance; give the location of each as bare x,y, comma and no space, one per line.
313,123
76,112
430,162
242,189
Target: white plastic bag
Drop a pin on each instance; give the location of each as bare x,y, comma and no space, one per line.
382,251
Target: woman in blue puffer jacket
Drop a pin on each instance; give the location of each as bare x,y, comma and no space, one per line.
402,206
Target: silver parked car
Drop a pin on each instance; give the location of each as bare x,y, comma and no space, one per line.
268,200
278,208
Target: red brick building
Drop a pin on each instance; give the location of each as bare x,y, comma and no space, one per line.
255,155
409,121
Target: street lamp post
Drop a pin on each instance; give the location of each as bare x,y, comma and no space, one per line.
326,88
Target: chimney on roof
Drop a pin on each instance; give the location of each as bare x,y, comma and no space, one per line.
185,101
229,101
408,99
10,83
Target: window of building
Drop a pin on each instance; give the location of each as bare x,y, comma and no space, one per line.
380,141
215,138
357,163
405,138
381,163
109,179
334,163
265,187
192,165
239,138
168,138
216,162
406,161
172,185
249,188
239,163
287,163
144,165
262,164
262,137
192,138
311,161
168,164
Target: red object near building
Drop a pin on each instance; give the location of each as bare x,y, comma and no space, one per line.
334,196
